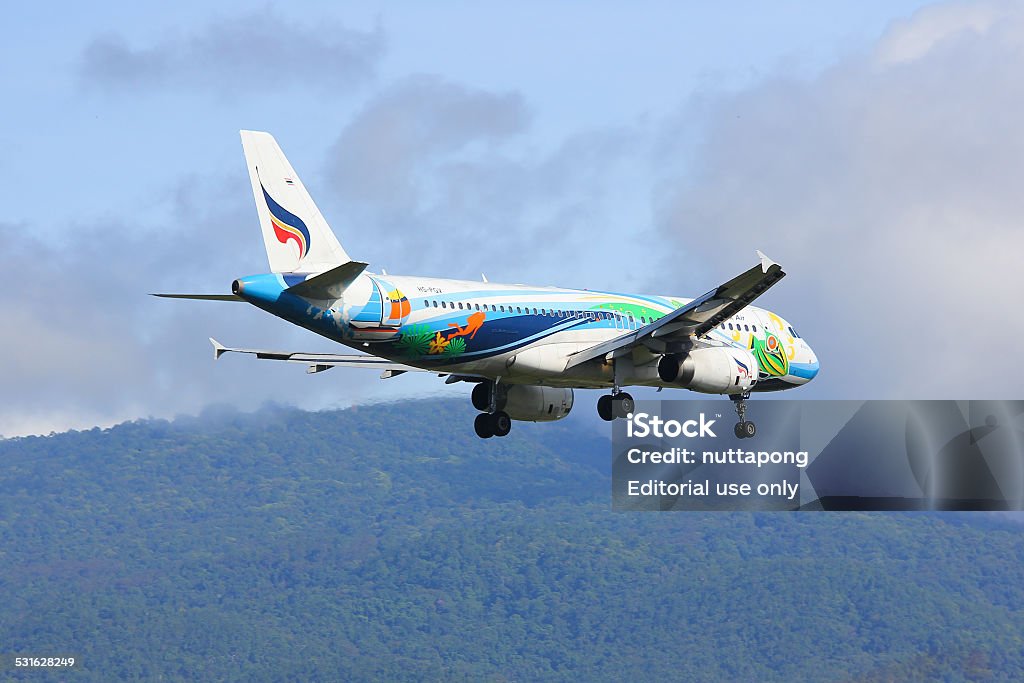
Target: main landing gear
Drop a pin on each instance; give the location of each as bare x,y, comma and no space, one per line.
487,425
616,404
491,422
743,429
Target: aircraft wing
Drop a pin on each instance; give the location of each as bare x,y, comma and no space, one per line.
318,362
692,320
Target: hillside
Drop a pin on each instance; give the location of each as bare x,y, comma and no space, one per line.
385,543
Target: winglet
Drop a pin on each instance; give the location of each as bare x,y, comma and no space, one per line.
766,262
218,348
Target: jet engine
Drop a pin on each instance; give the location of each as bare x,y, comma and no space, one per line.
525,402
713,370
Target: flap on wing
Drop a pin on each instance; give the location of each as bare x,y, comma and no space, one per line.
329,284
697,317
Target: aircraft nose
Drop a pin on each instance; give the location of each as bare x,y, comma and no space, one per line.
812,371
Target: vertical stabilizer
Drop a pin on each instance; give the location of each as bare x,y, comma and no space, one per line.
295,233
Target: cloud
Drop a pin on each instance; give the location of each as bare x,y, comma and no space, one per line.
84,345
383,154
441,169
887,185
930,27
259,52
889,188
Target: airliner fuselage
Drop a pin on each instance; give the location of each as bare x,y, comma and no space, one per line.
521,333
524,347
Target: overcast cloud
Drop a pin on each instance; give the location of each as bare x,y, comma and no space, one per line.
886,184
84,344
890,189
440,169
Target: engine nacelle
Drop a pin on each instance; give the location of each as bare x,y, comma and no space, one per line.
534,404
716,370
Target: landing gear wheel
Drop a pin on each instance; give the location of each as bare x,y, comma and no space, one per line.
622,404
604,408
501,423
483,426
482,395
745,430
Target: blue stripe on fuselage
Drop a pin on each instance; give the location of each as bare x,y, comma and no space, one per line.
500,332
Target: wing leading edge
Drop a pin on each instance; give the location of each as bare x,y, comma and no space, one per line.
694,319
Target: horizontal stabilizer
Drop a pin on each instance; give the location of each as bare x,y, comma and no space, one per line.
320,361
329,284
201,297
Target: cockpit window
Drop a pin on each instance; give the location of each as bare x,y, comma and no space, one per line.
792,332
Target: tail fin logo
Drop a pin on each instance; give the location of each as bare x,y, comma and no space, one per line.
287,226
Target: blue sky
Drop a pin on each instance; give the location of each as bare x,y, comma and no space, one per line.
869,147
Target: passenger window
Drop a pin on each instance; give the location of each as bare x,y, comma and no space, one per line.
518,309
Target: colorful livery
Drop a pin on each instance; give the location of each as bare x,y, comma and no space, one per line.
524,348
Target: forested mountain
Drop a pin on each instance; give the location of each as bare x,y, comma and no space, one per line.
389,543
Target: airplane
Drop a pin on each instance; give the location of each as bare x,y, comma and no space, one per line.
526,348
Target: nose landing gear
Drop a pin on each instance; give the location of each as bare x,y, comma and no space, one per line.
743,428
